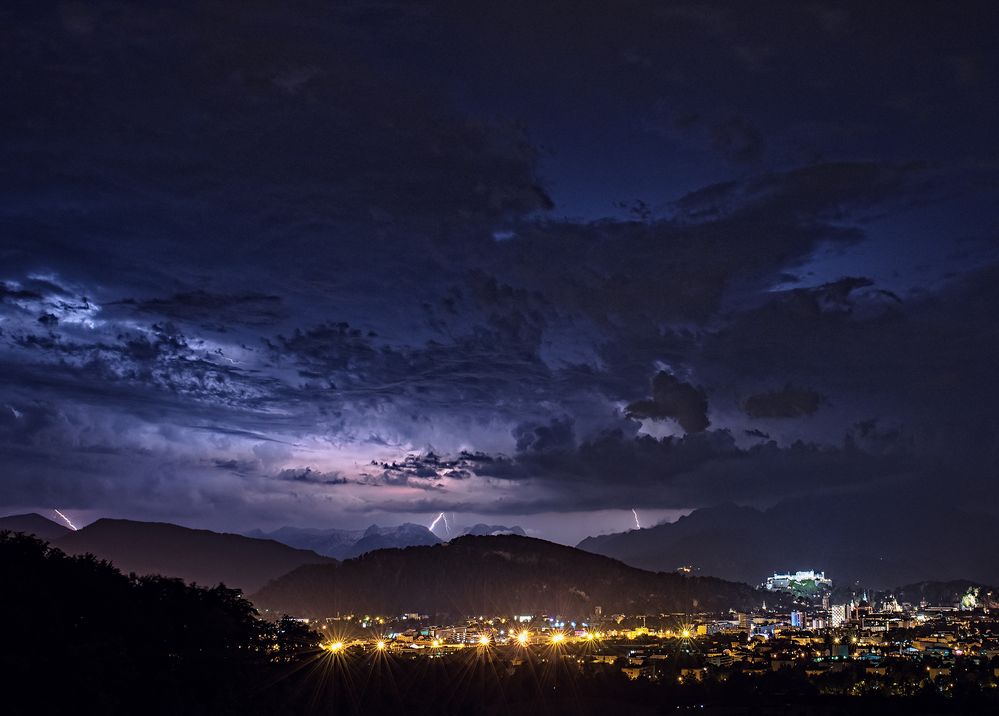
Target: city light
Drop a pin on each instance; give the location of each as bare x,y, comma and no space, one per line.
483,640
685,633
558,637
334,647
523,637
381,646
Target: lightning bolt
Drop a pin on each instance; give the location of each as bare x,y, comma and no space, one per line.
638,525
439,518
65,519
446,528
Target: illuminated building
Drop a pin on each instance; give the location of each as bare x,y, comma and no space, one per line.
838,615
861,611
718,659
808,579
745,622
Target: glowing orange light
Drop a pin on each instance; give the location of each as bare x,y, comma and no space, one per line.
523,637
483,640
381,646
558,637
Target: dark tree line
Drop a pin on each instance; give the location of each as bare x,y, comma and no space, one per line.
78,636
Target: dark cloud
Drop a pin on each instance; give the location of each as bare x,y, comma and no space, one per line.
717,240
10,293
676,400
879,439
556,435
813,195
616,470
735,139
429,469
738,141
214,311
307,474
317,260
910,364
788,402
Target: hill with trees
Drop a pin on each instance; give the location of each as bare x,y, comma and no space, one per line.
499,574
81,637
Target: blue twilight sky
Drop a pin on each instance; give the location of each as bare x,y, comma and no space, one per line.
330,264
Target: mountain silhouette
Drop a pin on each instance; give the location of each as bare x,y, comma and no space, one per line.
199,556
344,544
877,543
34,524
501,574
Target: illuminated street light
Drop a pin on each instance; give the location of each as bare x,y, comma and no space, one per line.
523,637
685,633
483,640
381,646
558,637
334,647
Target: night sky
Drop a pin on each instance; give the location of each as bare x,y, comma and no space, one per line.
533,263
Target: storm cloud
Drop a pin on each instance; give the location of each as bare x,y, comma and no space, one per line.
672,398
788,402
317,263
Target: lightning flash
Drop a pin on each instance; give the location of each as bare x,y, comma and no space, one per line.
638,525
65,519
441,516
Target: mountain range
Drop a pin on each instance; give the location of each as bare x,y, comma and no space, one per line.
34,524
344,544
876,543
497,574
200,556
490,568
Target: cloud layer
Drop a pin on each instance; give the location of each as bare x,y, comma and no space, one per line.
263,265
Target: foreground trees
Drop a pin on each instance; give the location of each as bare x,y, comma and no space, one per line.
79,636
